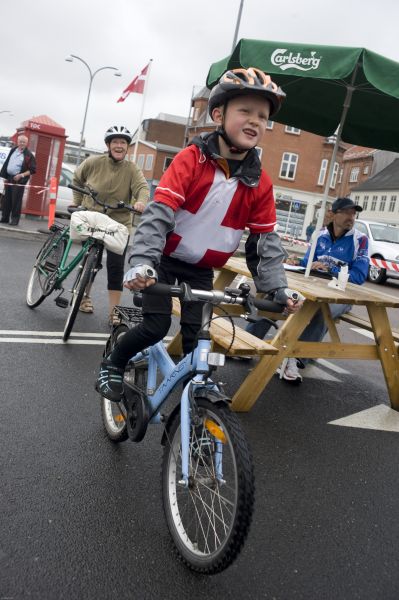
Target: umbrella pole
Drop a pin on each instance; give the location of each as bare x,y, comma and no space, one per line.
347,102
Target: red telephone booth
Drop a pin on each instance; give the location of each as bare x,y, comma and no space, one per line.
47,142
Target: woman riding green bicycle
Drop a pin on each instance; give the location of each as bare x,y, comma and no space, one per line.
115,180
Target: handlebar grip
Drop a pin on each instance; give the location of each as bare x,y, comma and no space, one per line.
75,188
163,289
268,305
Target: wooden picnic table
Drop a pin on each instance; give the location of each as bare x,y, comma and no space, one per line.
286,341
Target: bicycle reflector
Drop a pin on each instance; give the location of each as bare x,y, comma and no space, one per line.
215,430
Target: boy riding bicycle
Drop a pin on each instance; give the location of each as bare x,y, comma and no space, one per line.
211,192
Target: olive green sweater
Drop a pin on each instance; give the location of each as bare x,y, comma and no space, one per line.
115,182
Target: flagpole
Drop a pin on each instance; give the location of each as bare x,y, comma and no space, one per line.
139,129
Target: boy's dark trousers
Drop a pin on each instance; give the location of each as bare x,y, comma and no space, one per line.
157,311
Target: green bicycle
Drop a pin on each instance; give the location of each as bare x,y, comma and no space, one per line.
53,265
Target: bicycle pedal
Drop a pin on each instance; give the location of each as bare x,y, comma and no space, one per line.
62,302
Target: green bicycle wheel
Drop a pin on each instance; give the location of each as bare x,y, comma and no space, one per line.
43,277
83,279
210,518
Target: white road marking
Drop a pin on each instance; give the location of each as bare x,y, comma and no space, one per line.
55,337
51,333
330,365
367,334
380,417
314,372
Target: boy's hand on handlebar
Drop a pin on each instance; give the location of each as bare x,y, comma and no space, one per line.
291,299
139,277
292,306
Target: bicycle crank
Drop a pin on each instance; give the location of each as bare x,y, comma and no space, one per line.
137,412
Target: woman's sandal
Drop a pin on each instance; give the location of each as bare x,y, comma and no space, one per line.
86,305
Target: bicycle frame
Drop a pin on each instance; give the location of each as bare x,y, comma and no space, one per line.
65,268
194,363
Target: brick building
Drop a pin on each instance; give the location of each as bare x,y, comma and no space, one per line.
160,140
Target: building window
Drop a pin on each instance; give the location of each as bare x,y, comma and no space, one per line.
148,162
323,171
341,172
140,161
294,130
382,203
288,165
166,162
392,204
269,125
365,202
366,170
374,203
334,175
354,175
357,198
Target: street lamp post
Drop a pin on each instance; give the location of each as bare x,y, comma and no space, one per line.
92,75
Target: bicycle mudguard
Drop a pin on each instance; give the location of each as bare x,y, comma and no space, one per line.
213,395
138,414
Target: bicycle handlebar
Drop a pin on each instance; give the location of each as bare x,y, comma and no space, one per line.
93,195
228,296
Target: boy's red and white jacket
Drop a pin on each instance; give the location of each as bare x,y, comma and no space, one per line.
200,211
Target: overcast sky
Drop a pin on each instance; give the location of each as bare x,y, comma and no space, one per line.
183,37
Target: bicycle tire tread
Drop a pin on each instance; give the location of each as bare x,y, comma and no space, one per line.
246,494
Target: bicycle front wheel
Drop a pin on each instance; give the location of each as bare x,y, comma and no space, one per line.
43,276
85,275
210,518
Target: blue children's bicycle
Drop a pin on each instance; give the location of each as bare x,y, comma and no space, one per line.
207,471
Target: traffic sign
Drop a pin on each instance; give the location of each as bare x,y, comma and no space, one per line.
296,205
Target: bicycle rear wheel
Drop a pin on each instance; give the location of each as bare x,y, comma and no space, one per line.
114,413
84,277
210,519
43,277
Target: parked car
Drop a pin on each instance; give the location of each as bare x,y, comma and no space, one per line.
383,243
64,194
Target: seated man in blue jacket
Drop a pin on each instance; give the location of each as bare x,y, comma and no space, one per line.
337,245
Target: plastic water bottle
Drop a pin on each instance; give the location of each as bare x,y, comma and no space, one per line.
343,277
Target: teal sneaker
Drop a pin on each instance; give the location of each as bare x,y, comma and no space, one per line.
110,381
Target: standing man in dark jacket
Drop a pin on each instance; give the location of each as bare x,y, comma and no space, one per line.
19,165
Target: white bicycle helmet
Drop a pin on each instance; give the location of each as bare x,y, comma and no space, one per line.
117,131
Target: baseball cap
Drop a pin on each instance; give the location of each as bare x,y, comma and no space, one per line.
342,203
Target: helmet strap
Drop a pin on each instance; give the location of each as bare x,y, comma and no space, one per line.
232,148
223,134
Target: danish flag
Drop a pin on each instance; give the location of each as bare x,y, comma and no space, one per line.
136,86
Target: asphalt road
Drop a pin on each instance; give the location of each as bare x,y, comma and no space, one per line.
81,518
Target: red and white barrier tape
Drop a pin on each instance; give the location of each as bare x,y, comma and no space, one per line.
385,264
42,187
294,241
